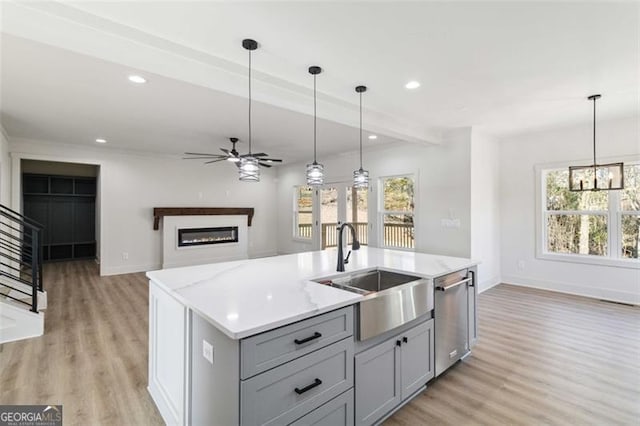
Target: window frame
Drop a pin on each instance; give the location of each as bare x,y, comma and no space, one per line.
295,223
381,212
614,223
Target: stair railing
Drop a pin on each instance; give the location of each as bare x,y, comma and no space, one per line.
20,256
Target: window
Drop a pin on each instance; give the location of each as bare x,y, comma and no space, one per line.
397,209
303,212
630,213
590,225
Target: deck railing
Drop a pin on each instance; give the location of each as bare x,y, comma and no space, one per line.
395,234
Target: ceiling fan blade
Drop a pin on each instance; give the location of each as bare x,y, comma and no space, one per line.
264,164
271,160
226,151
209,157
215,161
259,154
199,153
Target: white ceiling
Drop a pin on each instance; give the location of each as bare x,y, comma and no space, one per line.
503,67
52,94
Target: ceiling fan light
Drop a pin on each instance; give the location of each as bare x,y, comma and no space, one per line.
315,174
249,170
233,159
361,178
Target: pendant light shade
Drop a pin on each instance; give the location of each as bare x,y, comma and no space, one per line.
361,176
249,168
596,177
315,171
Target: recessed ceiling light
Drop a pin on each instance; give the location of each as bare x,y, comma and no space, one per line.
137,79
372,137
412,85
101,140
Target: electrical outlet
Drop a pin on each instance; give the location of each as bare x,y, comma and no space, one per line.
207,351
125,255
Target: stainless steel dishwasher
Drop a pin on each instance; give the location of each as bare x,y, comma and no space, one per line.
452,326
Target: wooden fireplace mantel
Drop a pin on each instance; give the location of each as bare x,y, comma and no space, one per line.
159,212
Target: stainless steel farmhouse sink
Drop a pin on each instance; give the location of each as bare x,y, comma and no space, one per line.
391,299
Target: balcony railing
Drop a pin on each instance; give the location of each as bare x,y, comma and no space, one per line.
395,234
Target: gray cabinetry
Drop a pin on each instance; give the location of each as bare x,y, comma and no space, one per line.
276,347
337,412
417,358
472,304
377,381
392,371
286,393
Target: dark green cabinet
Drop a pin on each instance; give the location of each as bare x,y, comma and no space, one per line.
65,205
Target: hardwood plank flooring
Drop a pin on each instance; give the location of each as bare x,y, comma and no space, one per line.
92,358
543,358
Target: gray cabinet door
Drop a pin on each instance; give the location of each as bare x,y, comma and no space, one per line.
473,309
417,361
377,381
337,412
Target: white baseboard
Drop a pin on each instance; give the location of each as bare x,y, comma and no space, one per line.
487,284
127,269
577,290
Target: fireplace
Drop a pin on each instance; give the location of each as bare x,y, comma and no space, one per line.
188,237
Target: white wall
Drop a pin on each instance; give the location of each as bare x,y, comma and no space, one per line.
485,208
518,157
442,190
5,169
131,184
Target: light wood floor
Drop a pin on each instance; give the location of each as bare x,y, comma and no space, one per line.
543,358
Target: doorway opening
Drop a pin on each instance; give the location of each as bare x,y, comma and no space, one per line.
62,197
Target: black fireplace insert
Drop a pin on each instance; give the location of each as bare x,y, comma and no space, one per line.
204,236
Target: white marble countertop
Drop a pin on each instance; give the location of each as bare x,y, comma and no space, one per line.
246,297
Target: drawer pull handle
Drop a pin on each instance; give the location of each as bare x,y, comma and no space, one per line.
316,335
316,382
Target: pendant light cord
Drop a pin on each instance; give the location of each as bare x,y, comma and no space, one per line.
360,130
249,102
315,117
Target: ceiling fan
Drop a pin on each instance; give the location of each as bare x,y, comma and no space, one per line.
232,156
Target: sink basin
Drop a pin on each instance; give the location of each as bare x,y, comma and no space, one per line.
368,282
391,299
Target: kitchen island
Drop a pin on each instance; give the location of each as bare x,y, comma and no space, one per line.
246,342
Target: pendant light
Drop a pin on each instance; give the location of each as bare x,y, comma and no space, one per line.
361,176
249,169
315,171
596,177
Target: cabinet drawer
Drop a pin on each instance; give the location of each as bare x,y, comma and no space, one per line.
337,412
288,392
273,348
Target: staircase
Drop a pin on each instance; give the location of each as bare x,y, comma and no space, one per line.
22,297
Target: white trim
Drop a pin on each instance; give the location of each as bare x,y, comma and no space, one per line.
590,260
601,292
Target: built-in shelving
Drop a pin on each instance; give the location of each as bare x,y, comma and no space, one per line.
65,205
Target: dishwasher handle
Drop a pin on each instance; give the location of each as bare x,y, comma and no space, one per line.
450,286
